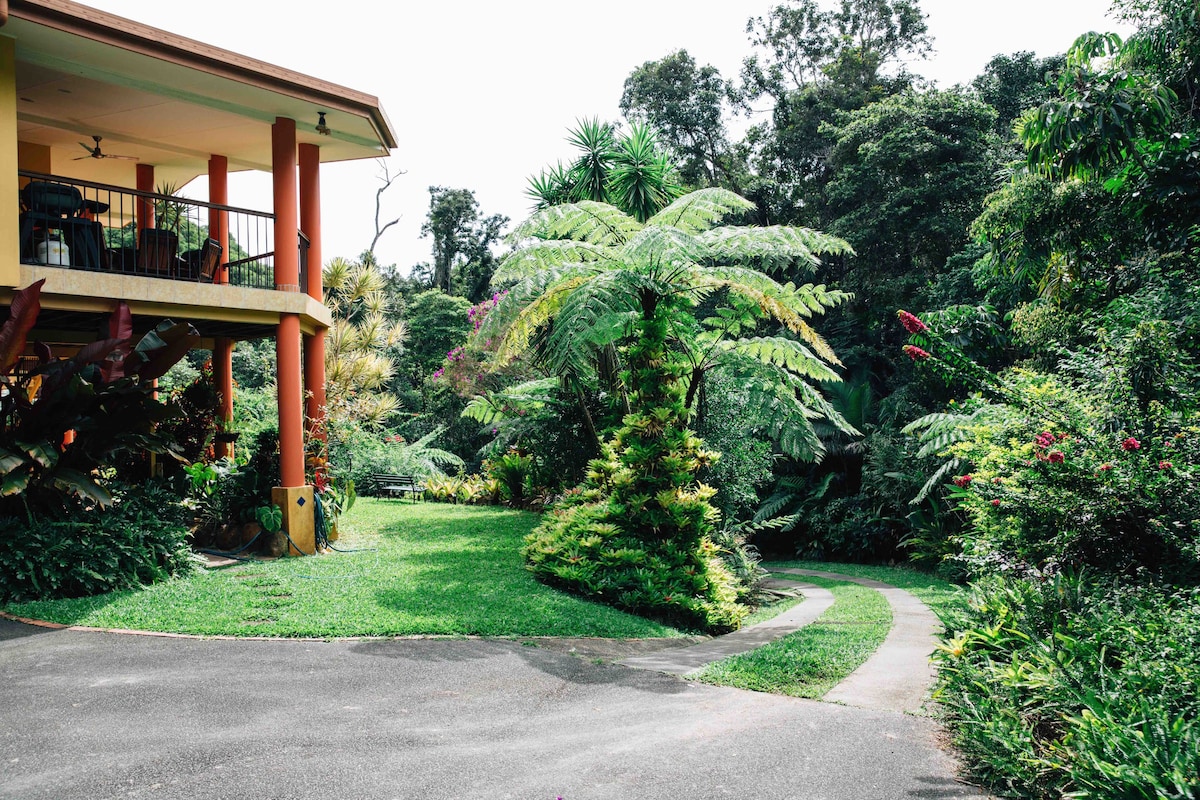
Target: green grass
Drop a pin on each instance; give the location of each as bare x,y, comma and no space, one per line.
811,661
419,568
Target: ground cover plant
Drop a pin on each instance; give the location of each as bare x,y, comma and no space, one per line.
811,661
410,569
1063,686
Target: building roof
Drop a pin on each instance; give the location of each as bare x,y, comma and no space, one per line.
169,100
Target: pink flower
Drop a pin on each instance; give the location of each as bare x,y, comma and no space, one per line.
1105,467
1056,457
995,504
914,352
1131,444
963,481
911,323
1044,439
1165,465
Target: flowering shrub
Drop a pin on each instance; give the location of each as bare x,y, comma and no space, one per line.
1065,476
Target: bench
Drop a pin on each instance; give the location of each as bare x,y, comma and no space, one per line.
396,485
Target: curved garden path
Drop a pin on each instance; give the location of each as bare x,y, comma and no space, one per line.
897,676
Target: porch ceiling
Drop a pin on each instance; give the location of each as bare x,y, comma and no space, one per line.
166,100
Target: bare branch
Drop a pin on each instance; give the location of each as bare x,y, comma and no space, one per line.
386,178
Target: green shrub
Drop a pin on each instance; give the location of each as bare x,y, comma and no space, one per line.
578,548
1064,687
141,539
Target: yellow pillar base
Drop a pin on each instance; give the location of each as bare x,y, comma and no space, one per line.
298,518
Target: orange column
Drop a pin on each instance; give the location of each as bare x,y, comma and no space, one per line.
218,228
144,209
223,379
310,223
287,277
218,221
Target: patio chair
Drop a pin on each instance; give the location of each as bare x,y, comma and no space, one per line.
203,262
55,207
158,252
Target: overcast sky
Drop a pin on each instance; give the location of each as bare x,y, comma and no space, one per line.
481,92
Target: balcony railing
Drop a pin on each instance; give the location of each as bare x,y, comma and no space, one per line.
94,226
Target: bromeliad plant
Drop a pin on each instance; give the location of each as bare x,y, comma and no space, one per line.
593,282
103,394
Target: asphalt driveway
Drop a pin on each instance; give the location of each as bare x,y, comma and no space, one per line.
99,715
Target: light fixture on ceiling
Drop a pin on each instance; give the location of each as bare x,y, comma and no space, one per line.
322,128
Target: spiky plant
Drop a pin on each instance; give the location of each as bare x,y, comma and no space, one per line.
589,277
357,365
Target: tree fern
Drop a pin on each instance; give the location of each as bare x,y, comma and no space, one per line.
496,406
585,221
700,210
550,254
771,248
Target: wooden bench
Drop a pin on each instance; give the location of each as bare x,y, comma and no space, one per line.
389,485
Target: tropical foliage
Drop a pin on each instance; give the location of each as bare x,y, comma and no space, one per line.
678,296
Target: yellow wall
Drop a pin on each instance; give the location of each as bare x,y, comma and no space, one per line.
34,157
10,249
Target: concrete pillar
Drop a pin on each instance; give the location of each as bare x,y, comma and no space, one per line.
297,505
144,208
310,223
222,359
218,221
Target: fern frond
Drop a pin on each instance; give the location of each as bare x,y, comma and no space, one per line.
495,406
662,246
772,248
537,313
584,221
543,255
936,480
938,431
786,353
594,315
699,210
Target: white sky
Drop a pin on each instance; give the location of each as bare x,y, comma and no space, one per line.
481,92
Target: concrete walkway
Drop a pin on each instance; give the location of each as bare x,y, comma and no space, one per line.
87,715
897,676
683,660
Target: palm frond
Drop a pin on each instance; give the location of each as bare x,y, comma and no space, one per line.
700,210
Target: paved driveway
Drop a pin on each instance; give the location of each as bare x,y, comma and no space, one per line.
97,715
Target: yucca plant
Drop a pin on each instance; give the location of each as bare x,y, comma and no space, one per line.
590,277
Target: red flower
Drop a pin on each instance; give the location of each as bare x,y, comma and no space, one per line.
914,352
1131,444
1165,465
911,323
963,481
1105,467
1055,457
1044,439
995,504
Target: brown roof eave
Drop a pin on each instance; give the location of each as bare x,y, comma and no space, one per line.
137,37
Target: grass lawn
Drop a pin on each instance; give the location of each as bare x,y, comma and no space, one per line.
811,661
417,568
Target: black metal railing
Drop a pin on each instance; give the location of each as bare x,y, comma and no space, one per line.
82,224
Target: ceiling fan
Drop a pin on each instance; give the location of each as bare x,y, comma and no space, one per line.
94,152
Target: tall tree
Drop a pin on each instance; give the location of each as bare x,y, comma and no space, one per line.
463,261
684,104
813,65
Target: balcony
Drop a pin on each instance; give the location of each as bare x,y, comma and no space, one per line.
85,225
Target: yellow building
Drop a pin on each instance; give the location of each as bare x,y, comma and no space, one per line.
96,111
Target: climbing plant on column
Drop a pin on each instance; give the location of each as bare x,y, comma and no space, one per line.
591,279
